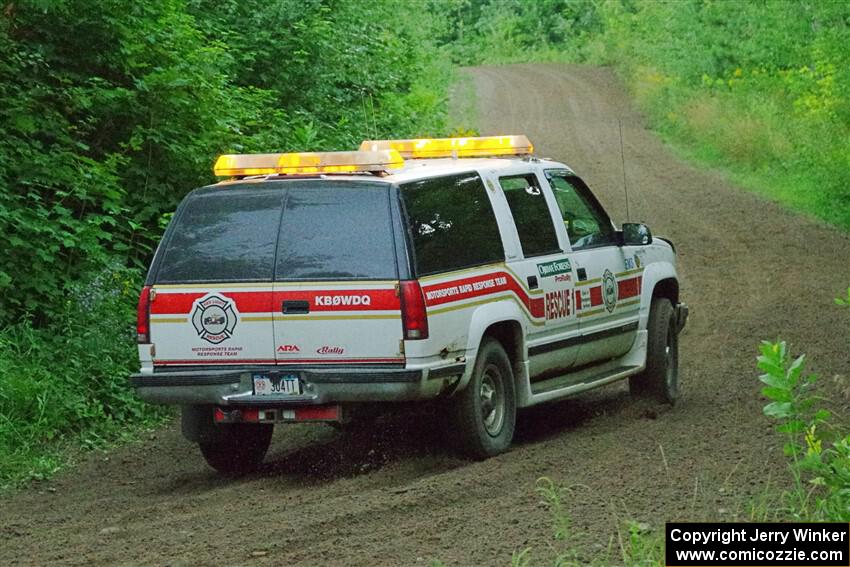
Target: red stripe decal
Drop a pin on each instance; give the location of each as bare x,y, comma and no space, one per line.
628,288
479,286
280,362
344,299
595,296
268,301
181,303
578,300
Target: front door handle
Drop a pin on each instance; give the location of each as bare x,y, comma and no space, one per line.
532,282
295,306
582,274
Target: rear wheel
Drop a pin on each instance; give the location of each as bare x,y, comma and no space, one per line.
484,413
236,448
660,378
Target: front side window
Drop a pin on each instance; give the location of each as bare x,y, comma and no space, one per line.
531,215
587,224
451,223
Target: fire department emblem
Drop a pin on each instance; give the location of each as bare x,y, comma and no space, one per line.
214,318
609,290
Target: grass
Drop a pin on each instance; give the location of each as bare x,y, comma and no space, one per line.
632,544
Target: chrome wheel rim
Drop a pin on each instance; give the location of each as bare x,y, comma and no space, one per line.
491,395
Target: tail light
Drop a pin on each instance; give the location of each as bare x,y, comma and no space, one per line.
414,318
143,312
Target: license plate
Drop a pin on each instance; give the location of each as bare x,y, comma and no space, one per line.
285,384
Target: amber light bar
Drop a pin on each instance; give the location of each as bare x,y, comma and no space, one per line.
483,146
231,165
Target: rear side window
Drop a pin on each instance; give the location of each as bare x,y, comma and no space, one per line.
452,223
531,215
226,235
336,230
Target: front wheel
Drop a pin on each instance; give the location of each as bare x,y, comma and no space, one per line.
660,378
236,448
484,413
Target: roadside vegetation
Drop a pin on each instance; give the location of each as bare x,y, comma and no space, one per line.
760,90
110,112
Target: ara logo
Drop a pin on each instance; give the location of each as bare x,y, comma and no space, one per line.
334,300
214,318
609,290
288,348
330,350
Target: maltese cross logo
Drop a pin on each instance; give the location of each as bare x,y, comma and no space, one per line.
214,318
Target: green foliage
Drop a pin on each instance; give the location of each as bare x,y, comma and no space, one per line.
761,89
110,112
819,455
510,31
65,384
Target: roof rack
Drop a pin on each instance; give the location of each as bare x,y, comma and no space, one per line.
480,146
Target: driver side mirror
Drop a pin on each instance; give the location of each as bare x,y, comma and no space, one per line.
636,234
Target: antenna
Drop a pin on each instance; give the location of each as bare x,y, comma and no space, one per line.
623,161
374,120
365,114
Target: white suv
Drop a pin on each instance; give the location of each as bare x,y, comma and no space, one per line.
310,286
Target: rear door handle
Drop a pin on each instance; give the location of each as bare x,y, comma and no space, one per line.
295,306
532,282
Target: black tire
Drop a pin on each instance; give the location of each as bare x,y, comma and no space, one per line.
660,379
236,448
484,413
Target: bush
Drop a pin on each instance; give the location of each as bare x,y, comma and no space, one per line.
65,384
111,111
818,450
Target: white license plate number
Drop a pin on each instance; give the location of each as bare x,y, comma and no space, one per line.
286,384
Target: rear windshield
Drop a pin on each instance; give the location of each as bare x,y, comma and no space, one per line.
336,230
292,230
226,235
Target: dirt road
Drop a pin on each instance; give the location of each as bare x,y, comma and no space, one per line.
750,271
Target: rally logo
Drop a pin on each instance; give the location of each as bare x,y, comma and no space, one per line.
609,290
327,349
214,318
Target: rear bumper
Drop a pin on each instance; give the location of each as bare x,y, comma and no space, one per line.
234,386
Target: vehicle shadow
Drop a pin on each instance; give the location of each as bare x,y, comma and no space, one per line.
392,439
540,423
414,441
